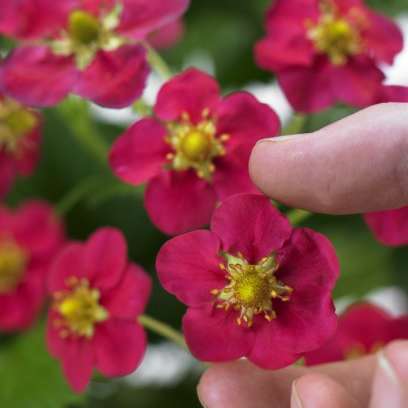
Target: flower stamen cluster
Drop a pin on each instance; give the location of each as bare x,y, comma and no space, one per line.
15,122
79,309
195,145
251,289
87,34
334,36
13,262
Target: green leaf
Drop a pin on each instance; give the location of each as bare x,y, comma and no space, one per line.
29,377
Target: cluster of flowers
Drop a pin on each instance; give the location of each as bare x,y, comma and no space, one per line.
255,286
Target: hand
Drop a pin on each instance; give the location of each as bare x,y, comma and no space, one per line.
357,165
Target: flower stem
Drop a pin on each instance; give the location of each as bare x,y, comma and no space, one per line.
158,63
77,118
296,217
163,330
74,196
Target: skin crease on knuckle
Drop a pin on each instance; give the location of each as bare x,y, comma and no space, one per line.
358,164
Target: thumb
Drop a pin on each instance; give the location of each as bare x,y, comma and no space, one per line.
359,164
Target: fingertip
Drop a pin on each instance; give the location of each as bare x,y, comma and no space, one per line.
390,385
320,391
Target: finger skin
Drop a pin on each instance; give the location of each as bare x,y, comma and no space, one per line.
320,391
390,384
357,165
242,385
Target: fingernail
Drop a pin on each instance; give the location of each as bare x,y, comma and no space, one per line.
295,401
391,378
278,139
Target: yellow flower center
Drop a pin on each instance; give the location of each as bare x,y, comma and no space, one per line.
195,146
83,28
79,309
251,289
334,36
86,34
15,122
13,261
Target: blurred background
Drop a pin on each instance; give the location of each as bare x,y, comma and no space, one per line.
219,38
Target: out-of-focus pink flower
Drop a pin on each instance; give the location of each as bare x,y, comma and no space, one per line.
167,36
389,227
29,239
98,296
195,152
328,51
254,286
20,136
89,47
362,329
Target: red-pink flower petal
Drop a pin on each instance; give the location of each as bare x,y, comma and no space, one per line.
167,36
20,307
37,228
286,45
141,17
394,93
250,224
29,151
129,298
363,325
178,202
267,352
140,153
389,227
68,263
382,37
77,363
213,335
245,120
115,79
105,258
232,176
309,265
357,83
188,267
34,19
7,173
26,74
398,328
119,347
308,89
190,92
55,343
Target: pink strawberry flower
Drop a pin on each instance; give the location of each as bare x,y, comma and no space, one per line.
194,152
29,238
363,329
20,134
97,298
389,227
328,51
93,48
168,35
254,286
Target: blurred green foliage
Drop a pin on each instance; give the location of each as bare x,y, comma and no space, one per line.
73,159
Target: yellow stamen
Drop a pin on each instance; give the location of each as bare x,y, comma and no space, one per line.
15,122
335,36
13,262
79,309
251,288
195,146
83,27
